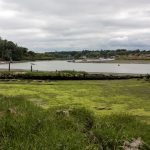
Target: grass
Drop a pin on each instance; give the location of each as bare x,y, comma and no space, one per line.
66,75
73,115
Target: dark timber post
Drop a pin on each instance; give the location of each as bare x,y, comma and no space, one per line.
10,60
9,66
31,68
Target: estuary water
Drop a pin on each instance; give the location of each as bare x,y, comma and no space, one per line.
88,67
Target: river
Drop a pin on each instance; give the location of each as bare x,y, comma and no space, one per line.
88,67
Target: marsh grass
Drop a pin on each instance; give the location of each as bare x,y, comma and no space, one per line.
66,75
31,127
25,125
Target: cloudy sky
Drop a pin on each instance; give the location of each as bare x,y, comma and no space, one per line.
46,25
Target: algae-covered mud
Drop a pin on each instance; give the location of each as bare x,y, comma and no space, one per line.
74,114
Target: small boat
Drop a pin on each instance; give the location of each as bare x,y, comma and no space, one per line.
2,62
71,60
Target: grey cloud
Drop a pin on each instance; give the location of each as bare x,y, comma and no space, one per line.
76,24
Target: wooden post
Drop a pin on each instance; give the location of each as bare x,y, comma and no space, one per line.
31,68
9,66
10,60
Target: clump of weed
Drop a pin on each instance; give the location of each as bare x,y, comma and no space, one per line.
147,77
111,131
64,127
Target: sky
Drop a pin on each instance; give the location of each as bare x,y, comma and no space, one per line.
57,25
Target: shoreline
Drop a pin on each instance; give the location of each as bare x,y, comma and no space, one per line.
116,61
90,73
88,61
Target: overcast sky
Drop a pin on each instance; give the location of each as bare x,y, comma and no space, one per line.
45,25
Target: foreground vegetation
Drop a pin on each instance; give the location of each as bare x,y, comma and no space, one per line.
68,75
73,115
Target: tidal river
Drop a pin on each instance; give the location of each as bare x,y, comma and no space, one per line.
88,67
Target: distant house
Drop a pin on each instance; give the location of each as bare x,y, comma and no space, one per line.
148,55
113,57
84,57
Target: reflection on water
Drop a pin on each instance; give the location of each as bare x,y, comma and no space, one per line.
88,67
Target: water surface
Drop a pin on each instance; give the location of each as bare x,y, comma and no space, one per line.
88,67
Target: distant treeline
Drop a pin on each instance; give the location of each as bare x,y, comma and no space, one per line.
118,54
11,51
